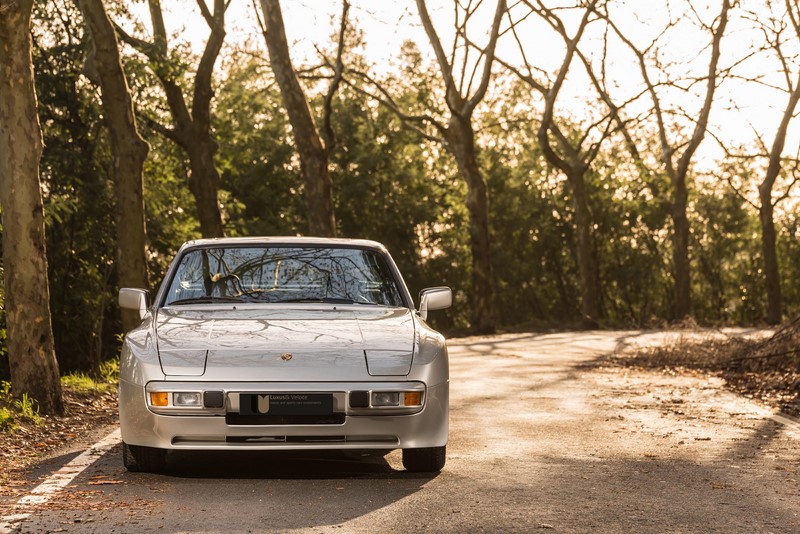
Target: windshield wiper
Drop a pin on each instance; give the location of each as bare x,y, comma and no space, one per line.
325,300
329,300
205,300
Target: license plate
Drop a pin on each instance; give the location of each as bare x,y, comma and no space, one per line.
285,404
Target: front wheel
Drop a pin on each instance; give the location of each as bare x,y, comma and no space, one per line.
143,459
424,460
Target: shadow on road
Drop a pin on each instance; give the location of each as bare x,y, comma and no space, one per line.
286,465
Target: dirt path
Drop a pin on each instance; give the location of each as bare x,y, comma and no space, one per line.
611,449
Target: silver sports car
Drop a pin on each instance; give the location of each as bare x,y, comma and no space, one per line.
283,343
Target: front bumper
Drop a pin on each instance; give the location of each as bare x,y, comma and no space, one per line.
426,428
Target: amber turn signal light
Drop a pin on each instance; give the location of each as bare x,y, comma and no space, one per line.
159,398
412,398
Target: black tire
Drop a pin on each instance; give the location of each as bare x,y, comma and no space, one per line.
424,460
143,459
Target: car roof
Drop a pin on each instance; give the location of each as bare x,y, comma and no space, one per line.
277,241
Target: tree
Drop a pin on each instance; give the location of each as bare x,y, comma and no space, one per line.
675,162
129,151
533,257
34,369
313,154
570,157
774,154
75,172
191,127
460,141
465,80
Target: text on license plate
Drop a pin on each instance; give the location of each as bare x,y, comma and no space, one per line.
285,404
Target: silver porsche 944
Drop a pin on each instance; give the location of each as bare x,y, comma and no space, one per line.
283,343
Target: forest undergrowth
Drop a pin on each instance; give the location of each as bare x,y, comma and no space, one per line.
763,368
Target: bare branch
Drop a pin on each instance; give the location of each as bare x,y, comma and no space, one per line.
738,192
445,66
547,123
386,99
487,63
141,46
203,91
409,121
157,127
159,30
594,148
210,19
666,149
260,21
702,121
338,70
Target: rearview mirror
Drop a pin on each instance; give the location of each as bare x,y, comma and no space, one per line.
434,298
133,299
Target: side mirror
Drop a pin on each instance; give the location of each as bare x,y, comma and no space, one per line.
133,299
434,298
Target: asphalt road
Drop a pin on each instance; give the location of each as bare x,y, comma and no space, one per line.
540,440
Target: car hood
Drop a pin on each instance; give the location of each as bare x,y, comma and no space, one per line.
334,343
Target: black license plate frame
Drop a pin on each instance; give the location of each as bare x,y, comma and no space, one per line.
299,403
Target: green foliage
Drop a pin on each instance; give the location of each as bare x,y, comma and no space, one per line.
106,378
387,189
28,408
727,257
788,228
397,188
169,206
7,421
631,239
258,165
12,411
532,238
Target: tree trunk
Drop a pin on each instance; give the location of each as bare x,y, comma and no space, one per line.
772,278
680,249
129,152
313,156
461,142
680,237
34,369
191,129
584,243
204,183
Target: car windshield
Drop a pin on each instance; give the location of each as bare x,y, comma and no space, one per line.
283,274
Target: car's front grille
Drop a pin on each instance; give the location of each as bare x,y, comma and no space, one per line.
263,420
